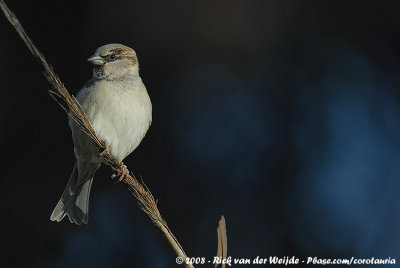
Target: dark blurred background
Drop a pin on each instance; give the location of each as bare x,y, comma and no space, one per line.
283,116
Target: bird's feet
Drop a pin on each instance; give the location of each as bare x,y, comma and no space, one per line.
124,173
105,151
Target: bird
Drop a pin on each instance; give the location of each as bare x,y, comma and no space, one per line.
120,110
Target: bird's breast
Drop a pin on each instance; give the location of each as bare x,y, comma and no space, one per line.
120,114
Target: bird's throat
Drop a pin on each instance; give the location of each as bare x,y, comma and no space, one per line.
99,71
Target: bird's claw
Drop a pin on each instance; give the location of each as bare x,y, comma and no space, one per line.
125,172
123,175
105,151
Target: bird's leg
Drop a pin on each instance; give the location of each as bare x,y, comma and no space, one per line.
105,151
124,173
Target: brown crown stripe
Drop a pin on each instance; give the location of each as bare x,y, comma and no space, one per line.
119,51
133,59
123,53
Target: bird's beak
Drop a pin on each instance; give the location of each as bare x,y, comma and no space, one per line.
96,60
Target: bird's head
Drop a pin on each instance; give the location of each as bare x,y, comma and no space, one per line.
114,62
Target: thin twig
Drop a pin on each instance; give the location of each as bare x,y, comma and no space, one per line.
75,111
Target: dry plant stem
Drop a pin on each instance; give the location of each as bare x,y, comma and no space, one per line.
74,110
222,250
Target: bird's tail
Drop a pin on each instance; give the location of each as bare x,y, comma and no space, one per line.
74,202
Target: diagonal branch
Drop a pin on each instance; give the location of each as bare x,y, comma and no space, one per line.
71,106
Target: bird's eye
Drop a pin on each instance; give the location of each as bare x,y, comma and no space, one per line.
113,57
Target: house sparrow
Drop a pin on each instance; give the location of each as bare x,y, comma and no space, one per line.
119,108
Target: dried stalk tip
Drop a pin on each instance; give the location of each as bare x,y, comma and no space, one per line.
222,251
